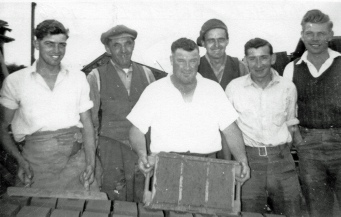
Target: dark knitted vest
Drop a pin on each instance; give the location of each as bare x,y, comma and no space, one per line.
116,104
231,70
319,99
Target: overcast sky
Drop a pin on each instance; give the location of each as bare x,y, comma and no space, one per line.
159,23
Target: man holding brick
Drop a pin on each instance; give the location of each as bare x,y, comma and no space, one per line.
185,112
48,106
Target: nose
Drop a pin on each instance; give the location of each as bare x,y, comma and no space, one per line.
124,49
216,43
56,48
258,62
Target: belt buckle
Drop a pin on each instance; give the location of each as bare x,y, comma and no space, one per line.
262,151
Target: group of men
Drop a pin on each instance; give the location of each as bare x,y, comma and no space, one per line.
64,117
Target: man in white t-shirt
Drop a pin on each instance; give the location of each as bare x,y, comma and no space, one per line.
185,112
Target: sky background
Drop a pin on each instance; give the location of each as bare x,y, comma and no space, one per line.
158,24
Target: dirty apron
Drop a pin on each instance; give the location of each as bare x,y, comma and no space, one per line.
57,159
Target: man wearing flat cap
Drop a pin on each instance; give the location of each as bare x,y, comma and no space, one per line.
216,64
115,88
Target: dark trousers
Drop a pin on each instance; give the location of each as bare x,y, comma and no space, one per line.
320,169
274,182
122,180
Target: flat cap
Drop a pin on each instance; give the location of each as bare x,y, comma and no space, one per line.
208,25
117,31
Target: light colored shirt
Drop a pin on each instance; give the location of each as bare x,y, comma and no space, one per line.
264,114
38,108
95,88
179,126
289,69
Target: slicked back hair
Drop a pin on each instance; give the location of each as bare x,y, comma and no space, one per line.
184,43
316,16
50,27
257,43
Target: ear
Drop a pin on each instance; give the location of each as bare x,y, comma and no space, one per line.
227,42
36,44
107,49
273,59
203,43
171,59
302,35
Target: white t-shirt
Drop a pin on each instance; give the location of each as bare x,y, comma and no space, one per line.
177,126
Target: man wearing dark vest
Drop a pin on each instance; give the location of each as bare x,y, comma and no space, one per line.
115,88
317,76
216,64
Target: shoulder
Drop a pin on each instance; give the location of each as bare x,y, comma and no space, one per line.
286,82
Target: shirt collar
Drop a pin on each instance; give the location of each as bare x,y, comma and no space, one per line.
332,55
275,79
33,68
117,67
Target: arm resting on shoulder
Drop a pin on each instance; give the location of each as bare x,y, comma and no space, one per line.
90,148
25,172
235,142
138,143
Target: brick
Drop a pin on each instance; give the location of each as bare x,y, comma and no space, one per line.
125,208
71,204
118,215
145,212
178,214
34,211
94,214
103,206
22,201
9,210
273,215
44,202
251,214
65,213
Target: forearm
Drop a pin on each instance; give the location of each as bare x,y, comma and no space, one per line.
137,141
89,140
9,145
235,142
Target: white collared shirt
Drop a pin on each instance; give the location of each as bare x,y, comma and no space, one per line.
179,126
289,69
264,114
38,108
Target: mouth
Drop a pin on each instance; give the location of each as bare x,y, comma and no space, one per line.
55,57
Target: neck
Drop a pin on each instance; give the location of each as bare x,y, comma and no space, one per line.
184,89
321,57
44,68
262,82
217,61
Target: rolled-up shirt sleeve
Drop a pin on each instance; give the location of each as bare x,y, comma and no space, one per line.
84,102
142,114
292,103
227,111
9,95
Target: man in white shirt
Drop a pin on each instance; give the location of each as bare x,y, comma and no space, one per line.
185,112
266,105
49,106
317,78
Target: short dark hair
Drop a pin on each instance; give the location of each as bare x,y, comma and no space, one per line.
184,43
316,16
257,43
50,27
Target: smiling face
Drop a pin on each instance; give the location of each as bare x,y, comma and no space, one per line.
185,66
215,43
316,36
51,49
259,61
121,50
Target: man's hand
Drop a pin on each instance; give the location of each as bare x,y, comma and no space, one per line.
245,173
145,164
87,177
25,173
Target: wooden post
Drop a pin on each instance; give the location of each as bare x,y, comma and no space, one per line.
33,5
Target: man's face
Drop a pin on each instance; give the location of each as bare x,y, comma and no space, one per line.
121,50
215,43
259,61
51,49
185,65
316,36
